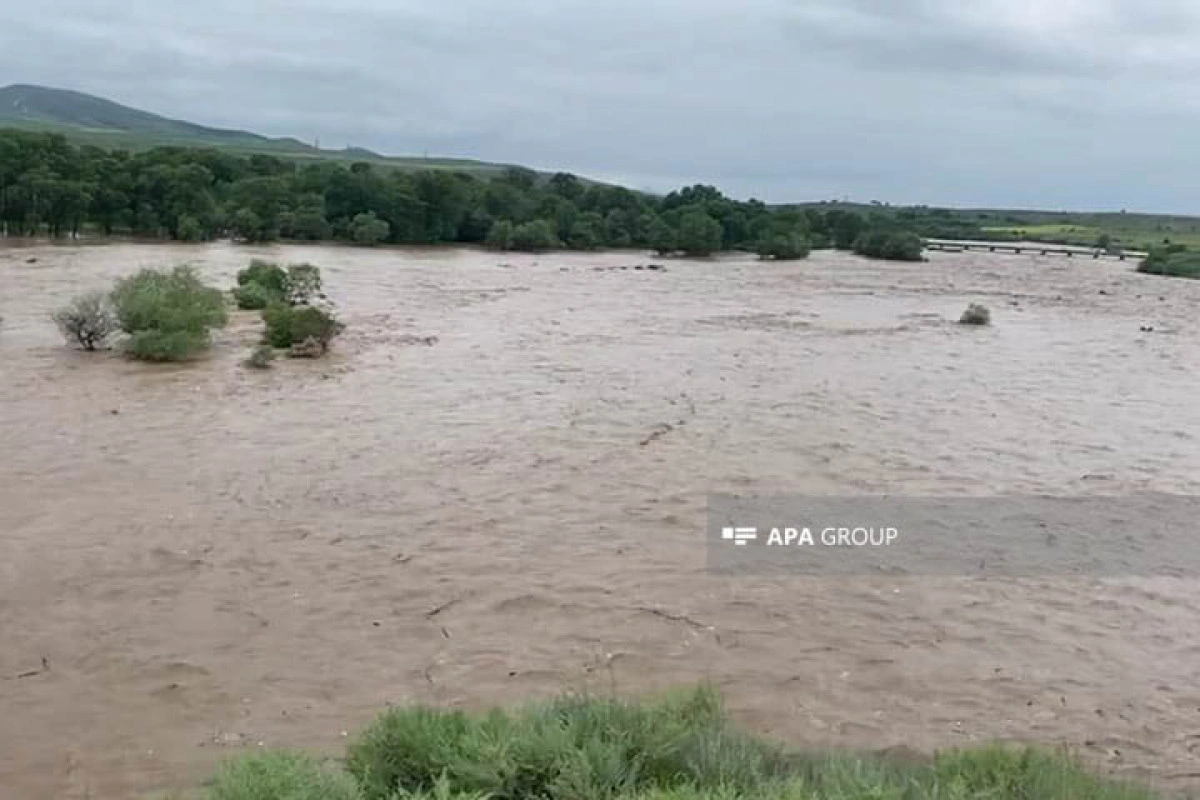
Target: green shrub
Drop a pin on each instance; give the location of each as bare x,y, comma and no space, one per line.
783,247
893,245
1175,262
287,326
500,235
570,748
255,297
281,776
87,321
534,236
168,315
160,345
679,747
368,229
265,274
175,300
261,357
262,284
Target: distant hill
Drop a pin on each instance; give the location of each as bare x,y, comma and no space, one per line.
88,119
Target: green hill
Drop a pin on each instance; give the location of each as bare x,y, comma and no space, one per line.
86,119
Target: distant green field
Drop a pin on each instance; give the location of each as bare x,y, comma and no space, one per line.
1135,237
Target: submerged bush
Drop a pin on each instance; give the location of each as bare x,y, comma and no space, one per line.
255,297
288,326
783,247
281,776
168,315
88,321
261,357
893,245
262,284
154,344
976,314
265,274
175,300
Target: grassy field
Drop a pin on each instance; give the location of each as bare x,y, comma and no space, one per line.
678,747
1135,237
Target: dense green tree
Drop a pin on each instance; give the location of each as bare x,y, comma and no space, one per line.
846,227
49,186
891,244
500,237
783,246
368,229
309,223
248,226
535,236
567,186
661,237
588,232
699,234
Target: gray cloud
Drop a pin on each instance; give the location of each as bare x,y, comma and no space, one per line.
1075,103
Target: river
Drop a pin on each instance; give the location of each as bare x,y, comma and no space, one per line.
200,558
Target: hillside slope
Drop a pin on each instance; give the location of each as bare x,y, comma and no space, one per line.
87,119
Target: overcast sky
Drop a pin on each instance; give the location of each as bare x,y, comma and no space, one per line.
1031,103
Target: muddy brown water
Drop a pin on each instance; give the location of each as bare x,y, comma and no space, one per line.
199,559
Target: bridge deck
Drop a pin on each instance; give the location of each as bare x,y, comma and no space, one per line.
1033,248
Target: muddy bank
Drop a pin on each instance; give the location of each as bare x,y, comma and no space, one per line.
517,507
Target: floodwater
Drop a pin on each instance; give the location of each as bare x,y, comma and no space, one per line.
203,558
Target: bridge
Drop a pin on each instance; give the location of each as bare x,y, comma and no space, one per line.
1033,248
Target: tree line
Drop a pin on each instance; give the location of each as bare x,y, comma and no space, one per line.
49,186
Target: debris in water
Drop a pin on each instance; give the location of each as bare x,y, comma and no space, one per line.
428,341
659,430
976,314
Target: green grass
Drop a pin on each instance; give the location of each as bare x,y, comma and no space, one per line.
678,747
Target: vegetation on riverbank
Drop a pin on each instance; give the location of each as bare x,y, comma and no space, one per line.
50,187
678,747
893,245
1174,260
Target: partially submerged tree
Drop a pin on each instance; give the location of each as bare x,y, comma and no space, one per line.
87,321
168,315
783,246
892,245
307,330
